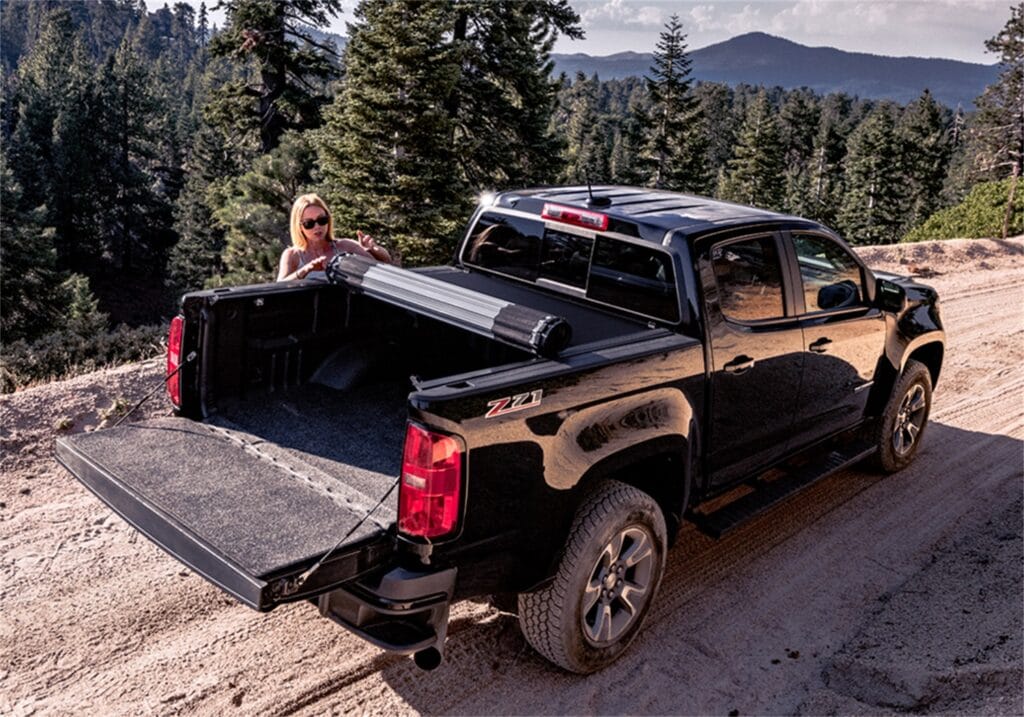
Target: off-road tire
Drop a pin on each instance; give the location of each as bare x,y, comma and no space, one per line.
553,618
899,431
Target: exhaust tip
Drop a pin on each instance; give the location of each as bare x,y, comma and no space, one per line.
428,659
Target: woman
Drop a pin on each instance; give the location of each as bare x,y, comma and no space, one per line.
313,242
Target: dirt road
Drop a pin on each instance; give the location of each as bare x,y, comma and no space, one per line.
861,595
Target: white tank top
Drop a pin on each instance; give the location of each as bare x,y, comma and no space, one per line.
305,258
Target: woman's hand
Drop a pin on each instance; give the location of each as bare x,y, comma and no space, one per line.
366,241
372,247
317,264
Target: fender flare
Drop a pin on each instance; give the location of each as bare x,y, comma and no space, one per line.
589,438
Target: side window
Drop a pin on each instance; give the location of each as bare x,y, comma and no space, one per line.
749,279
831,278
635,278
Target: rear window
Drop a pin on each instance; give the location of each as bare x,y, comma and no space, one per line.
609,271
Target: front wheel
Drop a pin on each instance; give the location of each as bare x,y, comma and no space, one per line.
902,425
610,570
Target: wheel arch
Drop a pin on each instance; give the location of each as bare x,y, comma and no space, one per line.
931,355
928,349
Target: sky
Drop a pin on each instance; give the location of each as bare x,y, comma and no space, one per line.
955,29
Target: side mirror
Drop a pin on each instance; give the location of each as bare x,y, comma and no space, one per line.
836,296
890,296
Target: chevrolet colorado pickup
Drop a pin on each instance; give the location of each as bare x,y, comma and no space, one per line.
592,367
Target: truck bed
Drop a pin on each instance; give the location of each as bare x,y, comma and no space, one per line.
303,400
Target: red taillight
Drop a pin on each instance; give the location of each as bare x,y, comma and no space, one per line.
174,359
579,217
428,497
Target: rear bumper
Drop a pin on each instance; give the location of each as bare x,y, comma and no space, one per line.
400,611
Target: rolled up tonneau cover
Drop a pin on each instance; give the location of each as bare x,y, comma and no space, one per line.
514,324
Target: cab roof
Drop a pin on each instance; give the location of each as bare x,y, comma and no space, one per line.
653,211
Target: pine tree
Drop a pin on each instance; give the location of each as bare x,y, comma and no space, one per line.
716,105
824,190
677,144
256,210
389,163
873,205
211,162
196,257
440,100
798,122
627,148
960,172
289,67
203,27
1000,121
925,156
129,151
30,304
53,149
755,174
583,141
504,98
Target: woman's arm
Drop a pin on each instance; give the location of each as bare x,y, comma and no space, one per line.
290,269
373,248
375,251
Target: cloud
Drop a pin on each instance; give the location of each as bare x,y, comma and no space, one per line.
615,13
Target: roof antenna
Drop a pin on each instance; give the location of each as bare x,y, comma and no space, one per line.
595,201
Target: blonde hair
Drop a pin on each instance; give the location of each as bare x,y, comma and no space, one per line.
295,226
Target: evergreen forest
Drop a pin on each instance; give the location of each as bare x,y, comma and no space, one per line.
146,154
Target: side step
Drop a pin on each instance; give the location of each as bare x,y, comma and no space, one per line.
767,494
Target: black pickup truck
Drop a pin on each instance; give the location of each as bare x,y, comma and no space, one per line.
591,369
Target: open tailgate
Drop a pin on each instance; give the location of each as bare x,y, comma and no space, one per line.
248,515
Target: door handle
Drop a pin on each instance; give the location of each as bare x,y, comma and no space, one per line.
821,345
740,364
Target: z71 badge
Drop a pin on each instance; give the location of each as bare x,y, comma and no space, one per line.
511,404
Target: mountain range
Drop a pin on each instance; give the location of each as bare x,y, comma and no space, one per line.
761,59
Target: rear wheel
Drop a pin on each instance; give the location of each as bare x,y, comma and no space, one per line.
610,570
902,424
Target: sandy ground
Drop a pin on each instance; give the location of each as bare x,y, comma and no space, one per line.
862,595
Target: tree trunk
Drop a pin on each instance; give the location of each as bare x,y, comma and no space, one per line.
1009,201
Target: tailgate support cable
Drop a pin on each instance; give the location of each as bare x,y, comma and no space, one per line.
293,586
163,382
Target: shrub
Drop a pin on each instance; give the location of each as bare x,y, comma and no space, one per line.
980,215
66,353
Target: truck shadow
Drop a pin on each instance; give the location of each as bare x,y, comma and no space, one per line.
724,605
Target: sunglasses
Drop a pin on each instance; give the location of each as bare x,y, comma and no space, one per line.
310,223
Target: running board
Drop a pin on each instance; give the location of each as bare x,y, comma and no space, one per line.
768,494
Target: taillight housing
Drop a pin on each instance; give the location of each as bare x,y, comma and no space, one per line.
578,217
174,337
430,491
